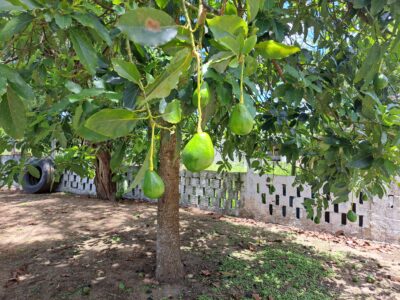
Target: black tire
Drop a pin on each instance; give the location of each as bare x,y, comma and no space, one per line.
43,184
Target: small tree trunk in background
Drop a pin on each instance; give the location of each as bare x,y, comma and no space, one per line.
105,188
169,264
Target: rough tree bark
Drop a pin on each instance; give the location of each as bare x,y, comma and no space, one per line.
105,188
169,264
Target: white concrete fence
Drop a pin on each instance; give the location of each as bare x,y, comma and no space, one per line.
248,195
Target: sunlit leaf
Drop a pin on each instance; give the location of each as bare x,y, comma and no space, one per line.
162,3
173,112
249,44
73,87
274,50
229,25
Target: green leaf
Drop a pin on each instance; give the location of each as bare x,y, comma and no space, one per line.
140,174
33,171
14,26
168,80
4,6
85,94
63,21
73,87
162,3
19,5
357,4
228,25
126,70
112,123
84,49
377,6
249,44
17,83
3,86
13,114
370,66
251,65
361,162
173,112
77,117
93,22
90,135
117,156
148,26
253,6
231,43
59,135
220,61
274,50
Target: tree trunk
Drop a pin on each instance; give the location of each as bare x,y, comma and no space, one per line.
169,263
105,188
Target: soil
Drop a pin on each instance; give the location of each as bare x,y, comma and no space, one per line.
59,246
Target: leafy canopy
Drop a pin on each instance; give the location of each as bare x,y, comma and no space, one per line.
92,71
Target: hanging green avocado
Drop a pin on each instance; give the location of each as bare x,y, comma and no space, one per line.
198,153
204,95
351,216
241,121
381,81
153,185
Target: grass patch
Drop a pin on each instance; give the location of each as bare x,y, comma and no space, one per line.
277,273
237,167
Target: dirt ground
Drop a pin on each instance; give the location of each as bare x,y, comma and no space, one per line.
62,246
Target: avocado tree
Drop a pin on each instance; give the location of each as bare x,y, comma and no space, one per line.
315,80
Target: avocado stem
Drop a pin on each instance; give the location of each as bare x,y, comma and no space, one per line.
241,101
199,130
198,59
151,165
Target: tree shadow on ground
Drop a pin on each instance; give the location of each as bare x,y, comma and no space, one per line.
67,247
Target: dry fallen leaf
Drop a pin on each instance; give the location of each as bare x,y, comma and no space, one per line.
205,272
256,296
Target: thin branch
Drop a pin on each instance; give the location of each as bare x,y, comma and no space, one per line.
11,60
279,70
223,6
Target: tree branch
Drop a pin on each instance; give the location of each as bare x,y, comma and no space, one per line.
279,70
223,6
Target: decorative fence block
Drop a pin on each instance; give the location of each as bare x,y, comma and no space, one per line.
211,191
73,183
378,219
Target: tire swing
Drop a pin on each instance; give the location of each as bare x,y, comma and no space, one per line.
44,183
